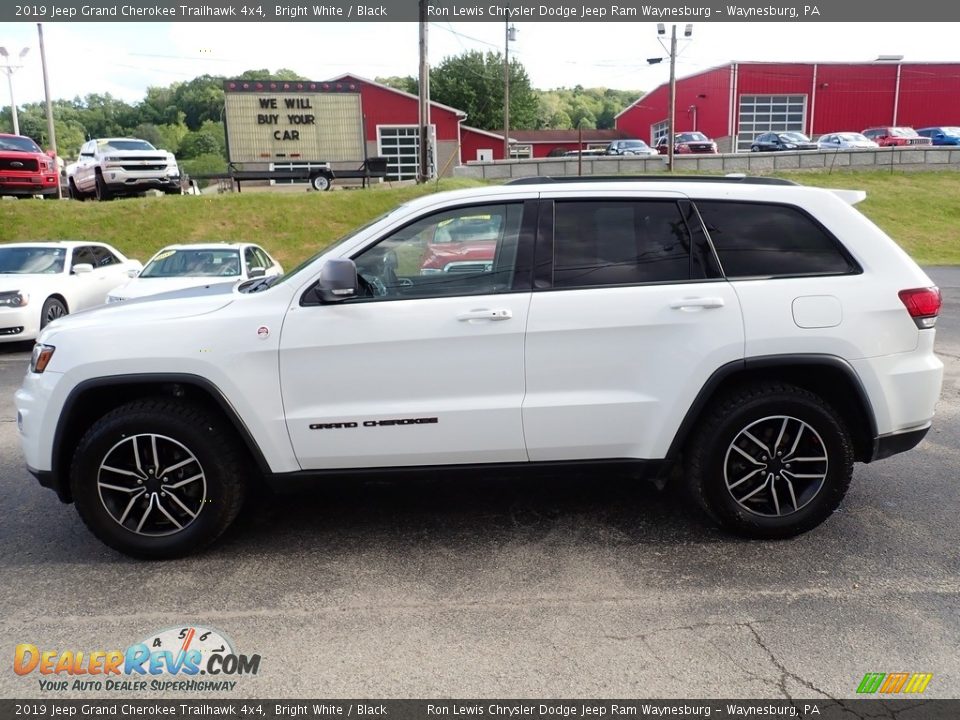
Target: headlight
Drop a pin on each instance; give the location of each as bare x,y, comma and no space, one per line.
790,146
114,299
14,298
112,158
430,271
41,357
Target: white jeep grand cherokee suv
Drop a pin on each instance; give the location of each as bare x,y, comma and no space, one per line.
762,334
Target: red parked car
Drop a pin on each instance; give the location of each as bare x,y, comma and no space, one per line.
25,170
888,136
687,143
462,245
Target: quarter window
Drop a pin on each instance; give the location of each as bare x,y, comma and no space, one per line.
620,242
466,251
762,240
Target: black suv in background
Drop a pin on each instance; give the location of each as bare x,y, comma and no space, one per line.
770,142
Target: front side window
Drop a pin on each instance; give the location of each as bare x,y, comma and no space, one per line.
620,242
82,256
466,251
763,240
103,257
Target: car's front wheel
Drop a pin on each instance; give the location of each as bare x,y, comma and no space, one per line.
102,191
769,460
158,478
51,310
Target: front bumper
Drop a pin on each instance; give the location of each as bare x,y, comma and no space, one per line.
19,324
49,480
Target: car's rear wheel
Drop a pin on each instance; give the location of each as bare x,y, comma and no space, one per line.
769,460
158,478
51,310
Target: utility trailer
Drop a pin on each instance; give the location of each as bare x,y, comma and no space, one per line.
320,178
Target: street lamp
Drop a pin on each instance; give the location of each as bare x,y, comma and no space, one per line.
510,36
10,69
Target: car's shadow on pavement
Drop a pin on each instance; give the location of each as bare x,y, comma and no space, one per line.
472,511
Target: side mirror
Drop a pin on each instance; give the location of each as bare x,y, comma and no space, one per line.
257,272
81,268
338,281
133,272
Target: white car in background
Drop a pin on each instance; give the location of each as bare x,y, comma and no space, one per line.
41,281
845,141
185,266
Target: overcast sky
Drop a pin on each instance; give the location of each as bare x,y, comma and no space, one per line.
126,58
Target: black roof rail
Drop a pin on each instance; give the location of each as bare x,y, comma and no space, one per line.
743,179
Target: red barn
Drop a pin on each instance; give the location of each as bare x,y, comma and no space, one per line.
736,102
391,118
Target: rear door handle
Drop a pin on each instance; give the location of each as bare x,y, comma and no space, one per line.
697,303
485,314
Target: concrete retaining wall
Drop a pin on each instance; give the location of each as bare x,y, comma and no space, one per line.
911,159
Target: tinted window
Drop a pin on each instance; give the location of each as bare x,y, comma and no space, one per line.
265,260
617,242
83,256
754,239
254,261
103,257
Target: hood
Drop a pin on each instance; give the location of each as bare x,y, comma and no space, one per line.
28,281
146,286
142,312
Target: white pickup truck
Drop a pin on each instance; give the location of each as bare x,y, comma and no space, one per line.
113,167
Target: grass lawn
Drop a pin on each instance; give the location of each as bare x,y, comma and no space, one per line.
921,211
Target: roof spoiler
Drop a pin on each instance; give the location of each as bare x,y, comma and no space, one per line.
850,197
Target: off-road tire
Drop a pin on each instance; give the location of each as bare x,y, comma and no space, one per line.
724,421
210,439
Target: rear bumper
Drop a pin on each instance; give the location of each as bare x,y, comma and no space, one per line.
887,445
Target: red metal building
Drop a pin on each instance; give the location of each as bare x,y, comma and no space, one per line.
736,102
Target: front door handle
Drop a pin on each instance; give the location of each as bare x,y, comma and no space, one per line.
485,314
697,303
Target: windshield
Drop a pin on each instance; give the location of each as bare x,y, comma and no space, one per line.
903,132
31,260
125,145
691,137
19,144
794,137
634,143
193,263
857,137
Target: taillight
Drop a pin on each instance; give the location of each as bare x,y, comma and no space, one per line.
923,304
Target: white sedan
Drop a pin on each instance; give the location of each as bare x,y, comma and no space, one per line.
40,281
184,266
845,141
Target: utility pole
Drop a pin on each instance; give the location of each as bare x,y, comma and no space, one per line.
51,129
10,69
423,171
673,97
672,114
510,33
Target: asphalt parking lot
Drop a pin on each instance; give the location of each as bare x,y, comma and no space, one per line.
586,587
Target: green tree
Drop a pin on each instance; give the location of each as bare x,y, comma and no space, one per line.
473,82
406,83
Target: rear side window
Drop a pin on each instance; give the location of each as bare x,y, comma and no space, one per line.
619,242
762,240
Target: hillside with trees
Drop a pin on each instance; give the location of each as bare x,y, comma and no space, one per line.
186,117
